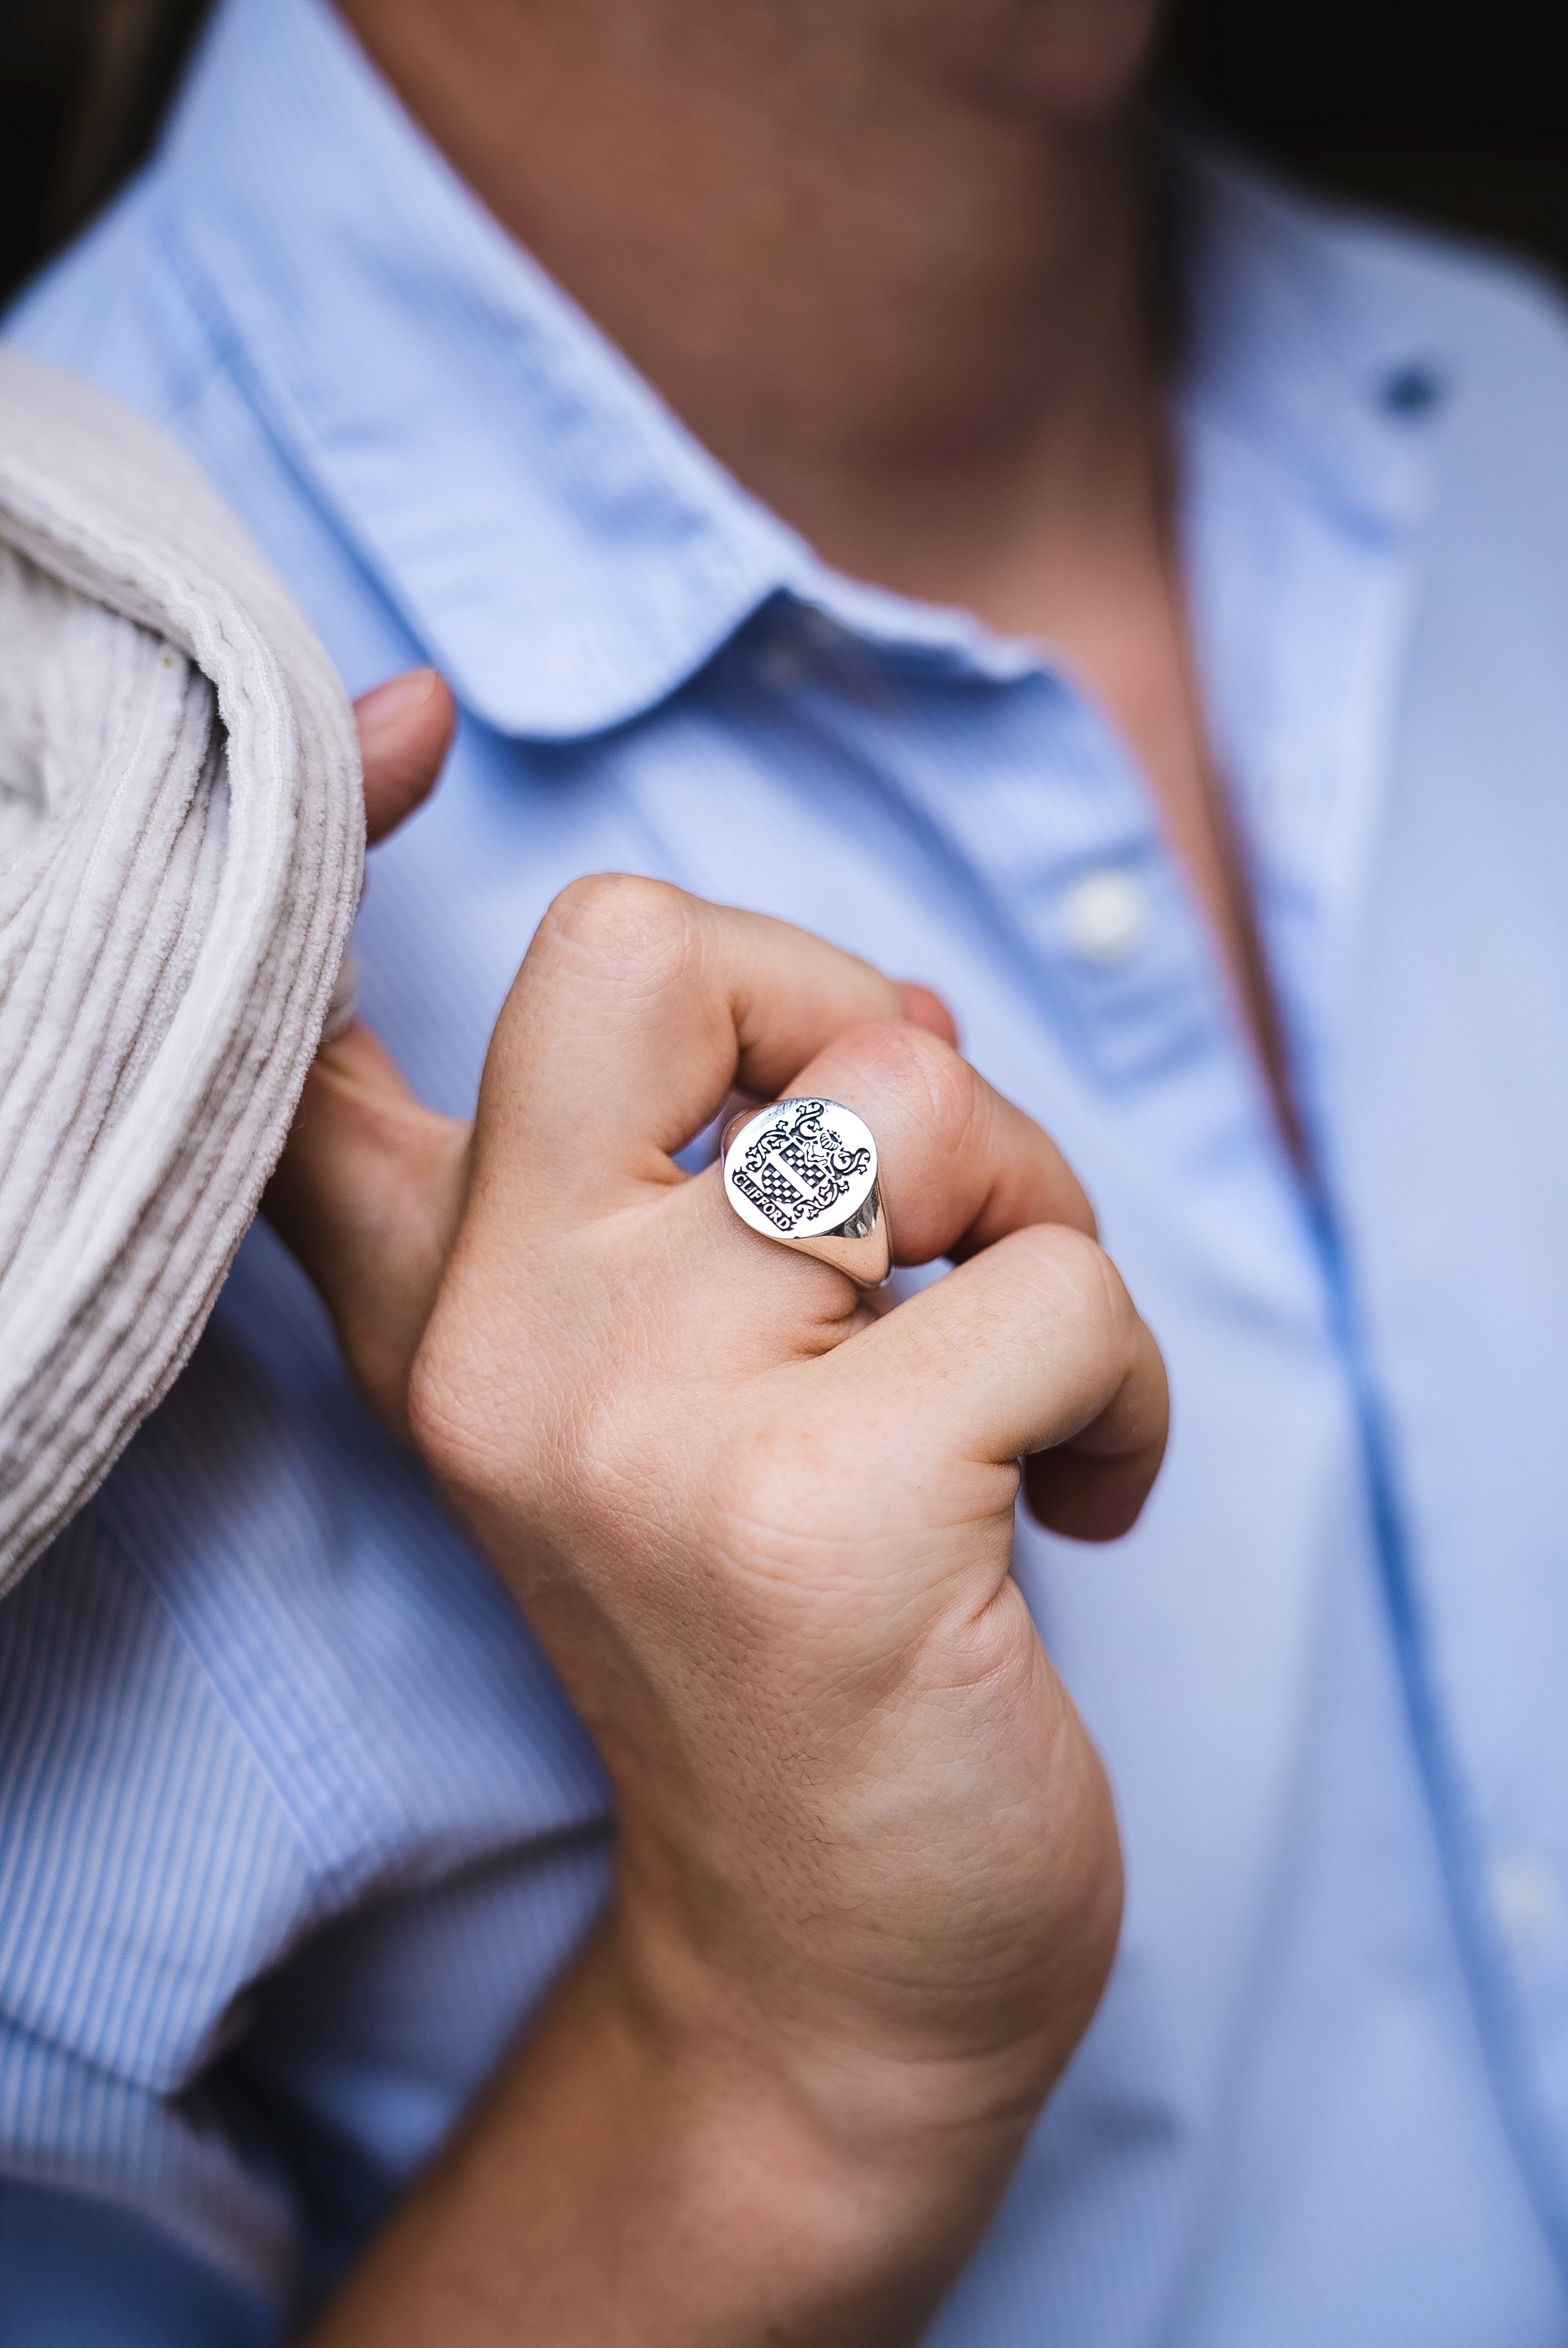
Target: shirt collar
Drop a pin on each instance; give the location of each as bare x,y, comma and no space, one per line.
1303,341
558,541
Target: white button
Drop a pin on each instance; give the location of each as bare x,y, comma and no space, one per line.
1524,1893
1105,915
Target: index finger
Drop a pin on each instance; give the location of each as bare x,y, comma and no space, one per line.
637,1010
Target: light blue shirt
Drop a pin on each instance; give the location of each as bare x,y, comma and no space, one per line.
295,1826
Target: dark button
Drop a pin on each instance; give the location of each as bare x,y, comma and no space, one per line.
1411,390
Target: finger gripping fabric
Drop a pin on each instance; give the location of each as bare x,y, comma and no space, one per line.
182,832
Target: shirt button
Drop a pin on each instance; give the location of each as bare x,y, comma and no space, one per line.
783,661
1524,1893
1105,916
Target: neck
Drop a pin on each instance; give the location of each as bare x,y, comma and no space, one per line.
898,287
887,259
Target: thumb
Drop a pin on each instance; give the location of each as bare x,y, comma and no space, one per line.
367,1196
370,1188
405,728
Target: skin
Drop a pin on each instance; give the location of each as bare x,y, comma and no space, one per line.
889,257
763,1532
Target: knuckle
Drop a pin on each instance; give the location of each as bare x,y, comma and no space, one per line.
939,1091
436,1419
1080,1278
473,1420
947,1085
621,923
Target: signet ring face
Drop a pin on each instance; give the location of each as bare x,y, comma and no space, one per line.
804,1173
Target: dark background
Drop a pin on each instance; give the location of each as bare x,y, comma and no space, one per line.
1461,118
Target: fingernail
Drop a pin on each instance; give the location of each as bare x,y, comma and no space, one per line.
395,701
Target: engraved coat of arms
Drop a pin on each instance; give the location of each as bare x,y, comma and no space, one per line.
797,1167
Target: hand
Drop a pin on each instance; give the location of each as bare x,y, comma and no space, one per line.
868,1881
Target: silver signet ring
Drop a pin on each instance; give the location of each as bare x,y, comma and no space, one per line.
804,1173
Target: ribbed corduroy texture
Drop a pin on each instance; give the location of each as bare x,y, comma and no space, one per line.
181,829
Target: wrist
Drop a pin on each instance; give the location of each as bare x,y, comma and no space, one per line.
913,2135
632,2177
826,2183
915,2030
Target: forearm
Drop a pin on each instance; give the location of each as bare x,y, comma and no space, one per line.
618,2185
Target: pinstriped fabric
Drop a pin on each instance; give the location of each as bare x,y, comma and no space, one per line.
189,1809
100,2024
198,1774
96,2133
295,1826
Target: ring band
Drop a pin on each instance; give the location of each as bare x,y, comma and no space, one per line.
804,1173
